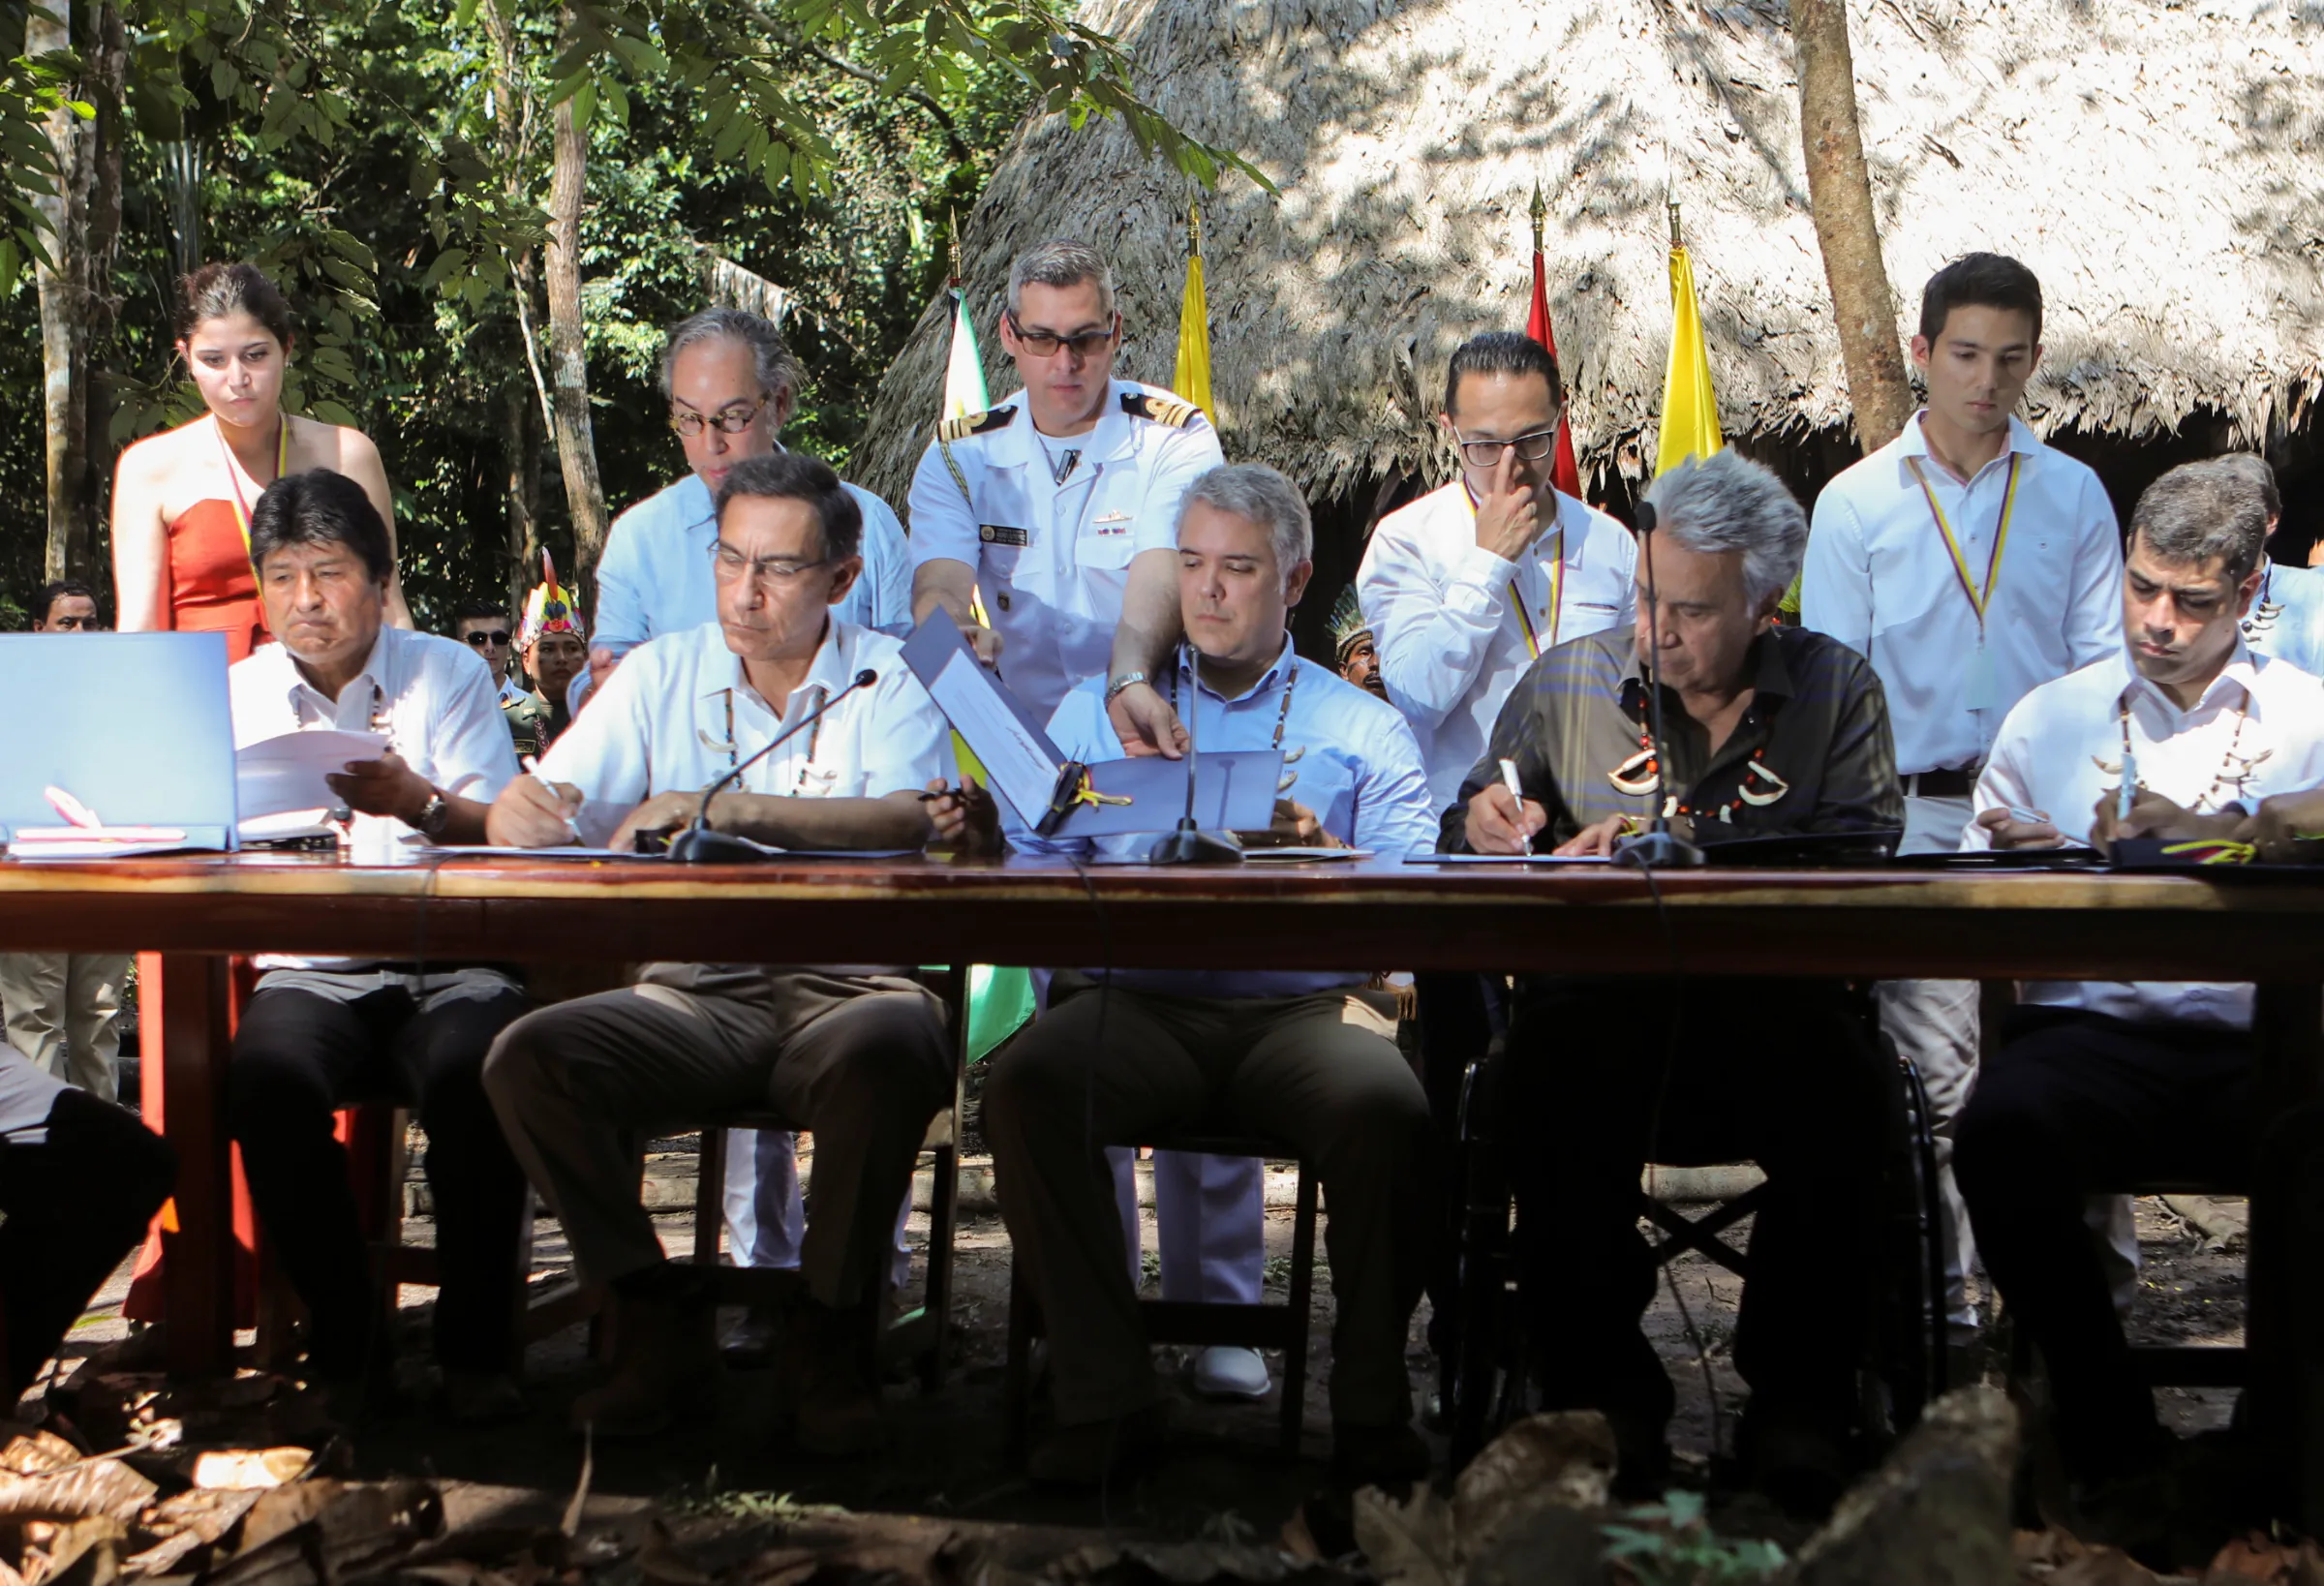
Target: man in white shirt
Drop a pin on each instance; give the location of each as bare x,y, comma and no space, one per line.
1969,563
1306,1058
324,1033
856,1054
732,384
1060,507
2100,1084
1466,587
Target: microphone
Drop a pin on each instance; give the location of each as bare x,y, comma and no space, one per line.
698,845
1190,844
1656,847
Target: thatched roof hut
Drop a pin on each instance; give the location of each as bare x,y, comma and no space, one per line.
2160,166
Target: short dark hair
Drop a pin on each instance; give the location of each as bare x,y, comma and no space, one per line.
1980,281
791,475
475,610
2254,470
216,291
1502,352
2203,511
44,605
320,508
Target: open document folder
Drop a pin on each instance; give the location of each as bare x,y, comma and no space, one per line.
133,728
1235,790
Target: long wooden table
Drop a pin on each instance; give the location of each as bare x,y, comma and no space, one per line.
2027,926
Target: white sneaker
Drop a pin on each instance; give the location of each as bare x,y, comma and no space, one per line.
1225,1372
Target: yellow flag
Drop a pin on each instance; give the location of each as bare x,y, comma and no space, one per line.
965,369
1193,379
1689,412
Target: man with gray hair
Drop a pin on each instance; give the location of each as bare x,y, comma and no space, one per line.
2099,1083
732,384
1307,1059
1768,731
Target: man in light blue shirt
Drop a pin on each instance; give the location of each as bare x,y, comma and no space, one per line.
2287,619
732,384
1307,1059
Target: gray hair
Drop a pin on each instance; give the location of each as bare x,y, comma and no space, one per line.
1257,494
1727,502
777,370
1060,261
2253,471
2202,512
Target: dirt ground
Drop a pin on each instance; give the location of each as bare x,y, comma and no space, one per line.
1224,1479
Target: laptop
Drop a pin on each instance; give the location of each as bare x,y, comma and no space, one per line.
136,726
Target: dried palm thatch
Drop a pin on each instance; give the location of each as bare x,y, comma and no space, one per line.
2161,166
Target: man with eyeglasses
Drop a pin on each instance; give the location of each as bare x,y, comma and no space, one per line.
732,384
483,626
1468,585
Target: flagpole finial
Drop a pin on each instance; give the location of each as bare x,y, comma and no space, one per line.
951,249
1676,240
1539,212
1194,226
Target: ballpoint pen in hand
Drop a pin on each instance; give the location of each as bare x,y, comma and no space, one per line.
531,765
2129,789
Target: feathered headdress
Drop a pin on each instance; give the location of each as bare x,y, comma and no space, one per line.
550,608
1347,623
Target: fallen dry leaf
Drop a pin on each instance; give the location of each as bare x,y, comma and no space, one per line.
241,1469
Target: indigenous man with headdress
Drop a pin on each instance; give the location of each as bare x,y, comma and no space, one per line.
1354,649
553,643
1767,730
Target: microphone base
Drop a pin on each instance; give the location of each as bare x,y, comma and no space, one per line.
700,845
1189,846
1657,851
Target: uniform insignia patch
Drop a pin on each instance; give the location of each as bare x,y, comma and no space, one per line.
968,424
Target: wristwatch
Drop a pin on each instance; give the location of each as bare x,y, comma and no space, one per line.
434,815
1128,679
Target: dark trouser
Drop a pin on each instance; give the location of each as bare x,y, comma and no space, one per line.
1320,1073
1459,1014
1607,1076
72,1205
2074,1103
299,1057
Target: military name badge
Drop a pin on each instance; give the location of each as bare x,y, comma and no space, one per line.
1001,534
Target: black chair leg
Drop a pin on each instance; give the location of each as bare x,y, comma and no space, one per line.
1302,1299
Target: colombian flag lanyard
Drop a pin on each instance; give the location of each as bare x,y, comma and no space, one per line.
282,461
1516,599
1980,601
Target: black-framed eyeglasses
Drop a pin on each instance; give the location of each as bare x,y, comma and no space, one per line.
732,419
1042,344
1531,447
732,565
483,637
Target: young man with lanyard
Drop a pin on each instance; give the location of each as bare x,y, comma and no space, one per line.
1058,509
1306,1058
2095,1084
323,1033
855,1053
731,384
1970,564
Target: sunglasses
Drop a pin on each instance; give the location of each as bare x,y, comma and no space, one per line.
494,637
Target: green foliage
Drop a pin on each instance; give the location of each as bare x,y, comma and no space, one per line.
1671,1543
31,88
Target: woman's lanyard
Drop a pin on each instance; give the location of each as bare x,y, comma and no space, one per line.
1981,691
233,477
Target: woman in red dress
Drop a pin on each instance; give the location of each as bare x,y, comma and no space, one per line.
181,562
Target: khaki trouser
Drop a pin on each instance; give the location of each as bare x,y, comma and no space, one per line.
860,1063
1320,1073
64,1013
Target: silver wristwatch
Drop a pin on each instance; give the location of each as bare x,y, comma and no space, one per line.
435,814
1128,679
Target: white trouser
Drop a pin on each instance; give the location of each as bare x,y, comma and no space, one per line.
765,1220
1209,1217
1933,1022
63,1012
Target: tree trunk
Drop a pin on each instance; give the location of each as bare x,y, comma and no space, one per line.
569,365
64,315
1840,192
106,56
520,444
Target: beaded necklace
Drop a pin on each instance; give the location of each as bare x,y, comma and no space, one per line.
815,737
1291,684
2228,778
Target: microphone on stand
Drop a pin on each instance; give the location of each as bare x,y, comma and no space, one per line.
1657,847
698,845
1190,844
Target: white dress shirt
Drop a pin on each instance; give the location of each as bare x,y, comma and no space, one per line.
1457,625
1347,756
1880,580
1053,560
2258,730
655,578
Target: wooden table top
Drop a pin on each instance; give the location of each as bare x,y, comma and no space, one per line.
1369,914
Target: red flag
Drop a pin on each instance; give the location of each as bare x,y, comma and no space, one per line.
1564,473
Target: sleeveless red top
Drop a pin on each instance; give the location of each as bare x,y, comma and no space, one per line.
212,588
